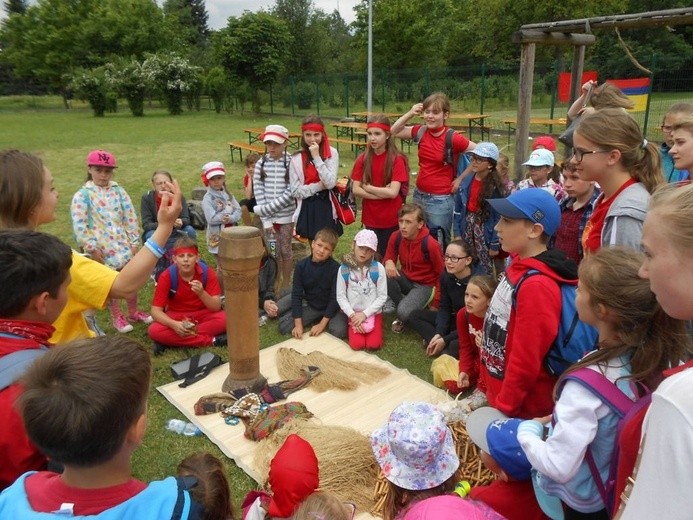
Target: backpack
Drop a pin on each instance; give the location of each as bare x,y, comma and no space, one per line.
620,404
343,201
173,273
13,365
448,154
424,246
575,338
168,498
197,217
372,270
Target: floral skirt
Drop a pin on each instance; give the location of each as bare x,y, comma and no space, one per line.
474,236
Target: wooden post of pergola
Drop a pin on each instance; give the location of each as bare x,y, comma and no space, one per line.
578,34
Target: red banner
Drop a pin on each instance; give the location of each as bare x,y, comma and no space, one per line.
564,83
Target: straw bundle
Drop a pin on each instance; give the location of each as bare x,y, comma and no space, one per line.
347,466
334,373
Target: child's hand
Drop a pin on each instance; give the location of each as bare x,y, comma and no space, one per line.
270,308
197,287
436,345
96,255
317,329
182,328
178,223
463,380
357,319
297,332
417,109
226,219
314,150
586,86
391,269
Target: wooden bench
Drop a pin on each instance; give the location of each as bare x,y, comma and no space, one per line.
355,145
240,146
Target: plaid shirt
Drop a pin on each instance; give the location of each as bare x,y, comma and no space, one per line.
576,252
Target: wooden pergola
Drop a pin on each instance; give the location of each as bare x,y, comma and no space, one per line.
577,33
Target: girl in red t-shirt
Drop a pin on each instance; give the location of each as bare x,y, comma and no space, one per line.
435,182
470,326
609,148
378,176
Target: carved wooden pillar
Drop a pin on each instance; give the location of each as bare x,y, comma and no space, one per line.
240,252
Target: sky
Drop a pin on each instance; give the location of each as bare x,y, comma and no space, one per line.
220,10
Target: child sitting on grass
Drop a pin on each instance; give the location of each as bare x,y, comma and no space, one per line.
187,304
313,295
362,291
85,406
37,266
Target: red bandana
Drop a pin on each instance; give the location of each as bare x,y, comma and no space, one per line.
37,331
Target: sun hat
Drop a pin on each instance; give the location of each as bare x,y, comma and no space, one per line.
546,141
496,434
293,476
213,169
101,158
540,157
275,133
415,449
486,150
366,238
533,204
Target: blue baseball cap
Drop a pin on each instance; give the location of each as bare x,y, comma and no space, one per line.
533,204
496,434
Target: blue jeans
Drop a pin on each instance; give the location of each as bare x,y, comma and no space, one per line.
438,209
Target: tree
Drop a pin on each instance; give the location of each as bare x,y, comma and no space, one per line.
190,19
254,48
15,7
297,15
174,77
56,37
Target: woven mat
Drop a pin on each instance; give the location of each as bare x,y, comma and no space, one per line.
364,409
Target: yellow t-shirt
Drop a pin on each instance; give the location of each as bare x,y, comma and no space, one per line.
89,288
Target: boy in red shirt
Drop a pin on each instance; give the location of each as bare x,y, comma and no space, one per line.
85,406
413,285
519,330
36,275
189,314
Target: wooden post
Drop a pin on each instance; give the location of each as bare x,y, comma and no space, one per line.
576,72
240,251
524,105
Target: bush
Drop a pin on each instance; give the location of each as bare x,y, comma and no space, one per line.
217,87
93,86
304,94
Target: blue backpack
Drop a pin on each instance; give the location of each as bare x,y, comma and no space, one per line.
372,270
575,338
173,272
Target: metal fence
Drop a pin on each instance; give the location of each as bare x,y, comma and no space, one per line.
485,89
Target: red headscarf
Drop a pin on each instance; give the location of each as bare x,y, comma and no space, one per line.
310,172
293,475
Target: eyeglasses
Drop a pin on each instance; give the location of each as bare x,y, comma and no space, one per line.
455,259
579,154
476,158
666,128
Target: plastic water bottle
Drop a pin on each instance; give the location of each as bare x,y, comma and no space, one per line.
262,320
272,242
182,428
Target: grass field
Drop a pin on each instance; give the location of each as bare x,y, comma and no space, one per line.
181,145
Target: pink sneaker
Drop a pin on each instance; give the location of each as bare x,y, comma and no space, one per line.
120,323
142,317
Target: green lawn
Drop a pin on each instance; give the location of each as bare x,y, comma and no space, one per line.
181,145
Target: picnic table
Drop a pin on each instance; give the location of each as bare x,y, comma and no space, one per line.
362,117
473,121
542,121
255,133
